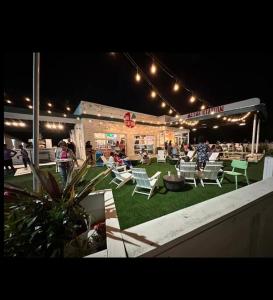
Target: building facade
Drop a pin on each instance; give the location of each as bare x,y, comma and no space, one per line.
104,126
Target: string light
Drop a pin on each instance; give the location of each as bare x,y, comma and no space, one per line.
153,68
190,123
68,108
181,127
153,94
27,99
212,112
163,104
65,115
30,106
194,129
49,111
218,116
239,119
138,77
15,124
176,87
60,126
54,126
224,118
49,104
203,107
7,123
170,111
215,126
176,116
192,99
242,124
22,124
8,101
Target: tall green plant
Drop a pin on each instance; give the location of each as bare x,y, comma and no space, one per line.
41,224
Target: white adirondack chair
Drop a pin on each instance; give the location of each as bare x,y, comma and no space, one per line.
188,170
121,177
106,162
211,173
214,156
143,182
190,155
161,157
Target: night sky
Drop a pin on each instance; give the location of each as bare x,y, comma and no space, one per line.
219,78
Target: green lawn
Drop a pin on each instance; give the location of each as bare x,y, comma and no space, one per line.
137,209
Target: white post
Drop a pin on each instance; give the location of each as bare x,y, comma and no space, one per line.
36,109
253,133
258,135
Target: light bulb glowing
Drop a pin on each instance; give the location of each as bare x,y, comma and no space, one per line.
22,124
242,124
8,101
8,123
27,99
138,77
54,126
153,68
163,104
218,116
194,129
181,127
30,106
192,99
170,111
15,124
65,115
49,111
203,107
224,118
49,104
212,112
215,126
60,126
153,94
176,116
176,87
68,108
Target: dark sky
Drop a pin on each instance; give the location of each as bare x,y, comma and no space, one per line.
220,78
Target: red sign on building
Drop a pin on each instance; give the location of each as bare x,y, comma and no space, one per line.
204,112
129,120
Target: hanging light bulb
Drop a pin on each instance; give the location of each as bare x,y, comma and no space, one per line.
27,99
49,104
68,108
170,111
8,101
176,116
203,107
138,77
224,118
49,111
8,123
192,99
194,129
22,124
65,115
153,68
215,126
218,116
153,94
54,126
15,124
176,87
30,106
163,104
60,126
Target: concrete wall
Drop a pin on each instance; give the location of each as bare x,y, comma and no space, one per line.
239,223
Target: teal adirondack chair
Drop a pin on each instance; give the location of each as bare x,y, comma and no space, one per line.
237,164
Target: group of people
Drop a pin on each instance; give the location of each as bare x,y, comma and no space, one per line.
9,154
175,151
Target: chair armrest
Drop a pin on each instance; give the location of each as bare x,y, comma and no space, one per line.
157,174
121,167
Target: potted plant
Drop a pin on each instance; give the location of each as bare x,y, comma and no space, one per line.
44,224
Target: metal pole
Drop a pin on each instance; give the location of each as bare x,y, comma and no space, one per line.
36,109
253,133
258,135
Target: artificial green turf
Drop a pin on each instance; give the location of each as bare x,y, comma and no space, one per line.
138,209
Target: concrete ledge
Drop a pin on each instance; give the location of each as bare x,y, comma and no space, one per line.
156,236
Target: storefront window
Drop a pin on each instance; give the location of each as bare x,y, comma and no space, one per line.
145,142
107,142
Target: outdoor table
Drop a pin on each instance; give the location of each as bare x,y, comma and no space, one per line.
173,182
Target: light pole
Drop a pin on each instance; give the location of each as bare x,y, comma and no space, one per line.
36,112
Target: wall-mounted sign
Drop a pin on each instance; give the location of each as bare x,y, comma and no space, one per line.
217,109
130,119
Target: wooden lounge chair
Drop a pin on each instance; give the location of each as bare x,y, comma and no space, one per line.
121,177
210,173
161,157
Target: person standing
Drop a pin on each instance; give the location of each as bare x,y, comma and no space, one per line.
24,155
71,146
202,150
169,149
8,155
89,151
65,153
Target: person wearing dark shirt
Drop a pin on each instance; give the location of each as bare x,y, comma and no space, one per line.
8,155
24,155
202,150
71,146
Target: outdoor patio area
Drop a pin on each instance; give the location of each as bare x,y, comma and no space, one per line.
137,209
